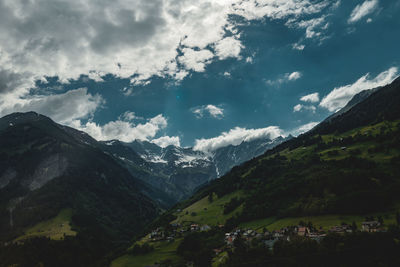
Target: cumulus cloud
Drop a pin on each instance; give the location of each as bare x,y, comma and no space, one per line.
249,60
63,108
298,46
165,141
297,108
135,39
126,37
277,9
228,47
10,81
210,110
312,98
128,116
236,136
124,130
195,60
287,77
300,107
362,10
294,76
314,27
340,96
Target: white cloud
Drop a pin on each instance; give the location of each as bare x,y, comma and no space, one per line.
195,60
63,108
165,141
303,128
298,46
228,47
211,110
362,10
96,76
314,27
123,130
133,39
297,108
249,60
294,76
126,37
128,116
340,96
312,98
236,136
300,107
277,9
287,77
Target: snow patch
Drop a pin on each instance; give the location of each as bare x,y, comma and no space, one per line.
110,143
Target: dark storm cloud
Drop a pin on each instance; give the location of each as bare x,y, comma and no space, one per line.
45,26
9,81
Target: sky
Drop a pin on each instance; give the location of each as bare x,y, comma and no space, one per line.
193,73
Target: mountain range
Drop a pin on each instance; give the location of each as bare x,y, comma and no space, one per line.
61,183
180,171
46,167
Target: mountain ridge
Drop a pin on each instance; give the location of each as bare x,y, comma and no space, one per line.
40,175
181,170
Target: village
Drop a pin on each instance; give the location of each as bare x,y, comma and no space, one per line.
306,230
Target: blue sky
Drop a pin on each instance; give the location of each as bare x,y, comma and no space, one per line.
194,74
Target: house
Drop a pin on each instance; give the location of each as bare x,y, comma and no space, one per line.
277,235
205,228
217,251
317,237
194,227
303,231
337,229
371,226
229,240
157,234
270,243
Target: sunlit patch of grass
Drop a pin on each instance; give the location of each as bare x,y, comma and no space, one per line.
162,251
206,212
55,228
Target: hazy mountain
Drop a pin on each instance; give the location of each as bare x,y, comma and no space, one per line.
180,171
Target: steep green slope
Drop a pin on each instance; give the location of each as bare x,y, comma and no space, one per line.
45,169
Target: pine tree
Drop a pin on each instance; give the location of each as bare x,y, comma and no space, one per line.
210,197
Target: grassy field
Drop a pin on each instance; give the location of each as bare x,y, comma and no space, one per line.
206,212
210,213
162,251
54,228
324,221
220,259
